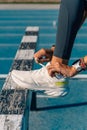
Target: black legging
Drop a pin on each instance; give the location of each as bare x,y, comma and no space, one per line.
69,21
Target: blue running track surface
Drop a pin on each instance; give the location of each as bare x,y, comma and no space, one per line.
66,113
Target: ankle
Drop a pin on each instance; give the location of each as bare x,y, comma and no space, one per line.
59,60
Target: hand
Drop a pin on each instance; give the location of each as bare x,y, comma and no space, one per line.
65,70
44,55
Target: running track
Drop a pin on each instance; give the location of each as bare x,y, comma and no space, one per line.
66,113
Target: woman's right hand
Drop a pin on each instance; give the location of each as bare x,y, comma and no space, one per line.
44,55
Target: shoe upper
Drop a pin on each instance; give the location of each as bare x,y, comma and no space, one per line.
38,79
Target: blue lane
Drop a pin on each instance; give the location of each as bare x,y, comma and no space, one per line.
12,27
10,39
14,22
67,113
14,18
46,39
28,12
8,51
12,30
5,65
27,23
20,30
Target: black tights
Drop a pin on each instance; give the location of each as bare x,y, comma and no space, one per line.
69,21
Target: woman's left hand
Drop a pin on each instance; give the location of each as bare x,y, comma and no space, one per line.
65,70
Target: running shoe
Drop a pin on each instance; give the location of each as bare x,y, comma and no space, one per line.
40,80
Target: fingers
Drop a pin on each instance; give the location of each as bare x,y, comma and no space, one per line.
52,69
60,68
41,60
43,55
38,56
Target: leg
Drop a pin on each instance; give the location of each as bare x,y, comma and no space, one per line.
70,19
68,26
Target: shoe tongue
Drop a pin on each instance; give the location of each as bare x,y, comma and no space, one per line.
45,67
43,70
